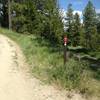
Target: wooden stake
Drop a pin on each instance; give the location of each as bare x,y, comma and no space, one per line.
65,54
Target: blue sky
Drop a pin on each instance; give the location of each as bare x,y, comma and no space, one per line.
78,5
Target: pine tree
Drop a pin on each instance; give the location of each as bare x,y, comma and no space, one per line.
98,29
30,16
89,19
70,23
98,23
19,11
77,30
25,16
53,26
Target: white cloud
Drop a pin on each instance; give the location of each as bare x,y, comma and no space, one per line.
62,13
97,10
79,12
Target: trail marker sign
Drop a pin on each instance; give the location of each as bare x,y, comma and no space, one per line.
65,40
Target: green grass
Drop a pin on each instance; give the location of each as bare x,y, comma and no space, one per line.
46,63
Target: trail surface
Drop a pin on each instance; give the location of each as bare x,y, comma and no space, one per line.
17,84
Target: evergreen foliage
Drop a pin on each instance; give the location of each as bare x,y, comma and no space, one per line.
70,23
89,19
77,30
98,23
42,17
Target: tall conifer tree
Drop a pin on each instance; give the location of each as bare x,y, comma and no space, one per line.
89,19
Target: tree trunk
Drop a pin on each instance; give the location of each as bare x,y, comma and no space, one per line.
9,14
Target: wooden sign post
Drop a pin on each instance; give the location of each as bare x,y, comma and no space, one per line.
65,49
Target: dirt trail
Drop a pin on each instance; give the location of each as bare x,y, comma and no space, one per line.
16,83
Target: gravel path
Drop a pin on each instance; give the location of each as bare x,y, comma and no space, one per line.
17,84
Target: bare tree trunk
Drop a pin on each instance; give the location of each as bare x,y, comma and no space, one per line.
9,14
